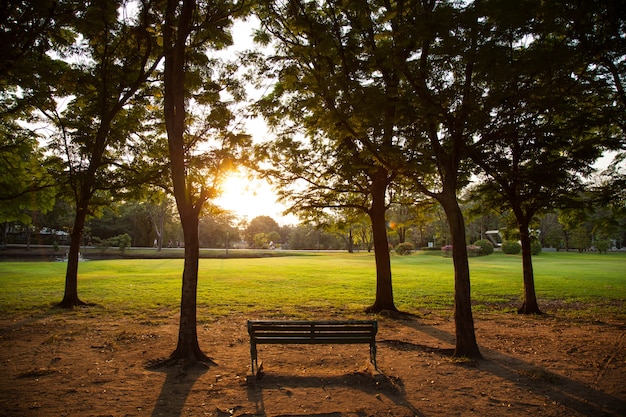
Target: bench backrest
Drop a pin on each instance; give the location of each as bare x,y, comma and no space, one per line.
312,332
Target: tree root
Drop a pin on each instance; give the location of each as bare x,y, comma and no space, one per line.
185,363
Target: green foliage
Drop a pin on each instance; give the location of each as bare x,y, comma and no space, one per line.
122,241
404,248
26,183
602,245
261,225
101,244
535,247
261,241
511,248
486,248
580,238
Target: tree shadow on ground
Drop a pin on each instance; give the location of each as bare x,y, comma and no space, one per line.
176,388
557,388
370,381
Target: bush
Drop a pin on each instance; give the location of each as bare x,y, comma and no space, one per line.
485,246
473,251
603,245
404,248
535,247
101,244
511,248
122,241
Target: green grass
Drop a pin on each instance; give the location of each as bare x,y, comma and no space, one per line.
333,283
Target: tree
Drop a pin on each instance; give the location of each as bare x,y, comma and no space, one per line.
189,28
309,237
551,231
260,224
389,85
408,213
349,225
326,93
433,47
549,124
609,197
217,230
111,65
159,208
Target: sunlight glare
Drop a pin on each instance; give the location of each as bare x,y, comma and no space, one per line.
249,198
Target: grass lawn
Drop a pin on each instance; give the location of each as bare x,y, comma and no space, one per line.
333,282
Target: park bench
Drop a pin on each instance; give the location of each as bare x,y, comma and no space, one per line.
311,332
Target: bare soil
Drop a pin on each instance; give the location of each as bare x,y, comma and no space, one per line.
71,364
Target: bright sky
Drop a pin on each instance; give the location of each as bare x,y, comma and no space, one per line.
250,198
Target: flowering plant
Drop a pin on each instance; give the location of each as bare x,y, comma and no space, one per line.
446,251
472,250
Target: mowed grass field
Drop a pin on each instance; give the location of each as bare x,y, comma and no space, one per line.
333,283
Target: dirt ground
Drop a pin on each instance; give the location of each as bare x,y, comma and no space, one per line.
71,364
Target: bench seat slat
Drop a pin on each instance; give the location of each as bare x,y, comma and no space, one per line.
314,331
304,339
346,329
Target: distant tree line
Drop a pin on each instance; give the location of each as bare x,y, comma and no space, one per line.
595,228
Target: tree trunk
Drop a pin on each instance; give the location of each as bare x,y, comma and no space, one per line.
466,345
70,298
530,305
350,242
384,289
188,350
176,32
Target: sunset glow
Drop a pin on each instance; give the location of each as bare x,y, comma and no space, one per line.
249,198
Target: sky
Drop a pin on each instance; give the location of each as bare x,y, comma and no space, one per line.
249,198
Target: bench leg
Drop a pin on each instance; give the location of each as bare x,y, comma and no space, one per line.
253,357
373,356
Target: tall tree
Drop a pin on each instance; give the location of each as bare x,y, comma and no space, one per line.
422,56
110,68
330,86
550,121
260,224
189,29
390,82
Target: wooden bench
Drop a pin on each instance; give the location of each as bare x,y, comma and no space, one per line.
311,332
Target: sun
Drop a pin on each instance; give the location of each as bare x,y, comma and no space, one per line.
249,198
